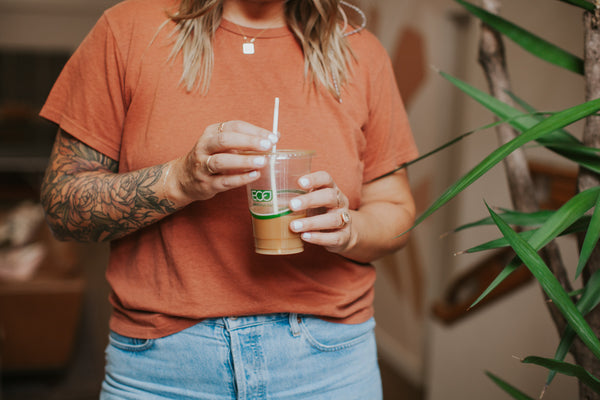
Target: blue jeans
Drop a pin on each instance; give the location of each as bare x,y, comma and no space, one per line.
279,356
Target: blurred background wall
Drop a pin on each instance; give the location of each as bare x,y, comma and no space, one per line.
429,348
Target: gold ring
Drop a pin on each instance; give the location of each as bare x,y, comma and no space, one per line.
208,168
345,218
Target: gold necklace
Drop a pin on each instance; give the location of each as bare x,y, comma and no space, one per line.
248,45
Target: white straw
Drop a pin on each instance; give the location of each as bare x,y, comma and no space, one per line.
274,158
275,120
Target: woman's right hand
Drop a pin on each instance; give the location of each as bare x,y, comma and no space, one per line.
216,162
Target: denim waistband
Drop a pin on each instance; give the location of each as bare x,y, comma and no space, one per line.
240,322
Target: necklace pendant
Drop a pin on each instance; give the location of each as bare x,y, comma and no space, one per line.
248,48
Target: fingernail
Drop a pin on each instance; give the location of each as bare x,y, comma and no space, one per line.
295,204
259,161
273,138
304,182
265,144
306,236
296,225
253,174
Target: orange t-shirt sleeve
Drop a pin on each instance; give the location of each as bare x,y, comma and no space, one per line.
87,100
390,141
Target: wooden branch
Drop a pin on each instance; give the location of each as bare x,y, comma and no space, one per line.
591,132
588,179
493,61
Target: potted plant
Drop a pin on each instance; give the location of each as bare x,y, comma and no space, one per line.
532,238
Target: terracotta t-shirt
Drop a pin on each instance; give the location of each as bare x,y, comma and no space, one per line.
121,95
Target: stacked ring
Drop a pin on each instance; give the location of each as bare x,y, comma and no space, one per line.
208,168
345,216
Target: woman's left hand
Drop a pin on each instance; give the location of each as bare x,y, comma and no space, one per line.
331,225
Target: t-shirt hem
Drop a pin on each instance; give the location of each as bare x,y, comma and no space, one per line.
138,332
179,324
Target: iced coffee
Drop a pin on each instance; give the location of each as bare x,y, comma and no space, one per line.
269,199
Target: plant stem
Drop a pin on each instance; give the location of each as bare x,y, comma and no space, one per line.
493,61
587,179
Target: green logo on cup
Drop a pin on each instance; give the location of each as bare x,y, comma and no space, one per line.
262,196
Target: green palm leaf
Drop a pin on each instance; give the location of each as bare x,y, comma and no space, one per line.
563,143
575,293
586,5
549,284
566,369
591,238
437,149
571,148
581,225
495,244
587,157
517,119
590,298
527,40
559,141
511,390
564,217
512,217
556,121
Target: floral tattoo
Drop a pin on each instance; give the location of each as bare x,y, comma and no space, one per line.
86,200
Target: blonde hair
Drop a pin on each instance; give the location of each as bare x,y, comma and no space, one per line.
316,24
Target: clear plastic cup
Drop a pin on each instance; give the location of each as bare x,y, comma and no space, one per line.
269,198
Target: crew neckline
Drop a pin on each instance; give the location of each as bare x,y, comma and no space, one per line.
253,32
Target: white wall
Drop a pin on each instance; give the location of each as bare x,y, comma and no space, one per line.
402,332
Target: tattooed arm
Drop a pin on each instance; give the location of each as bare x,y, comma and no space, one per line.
86,200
